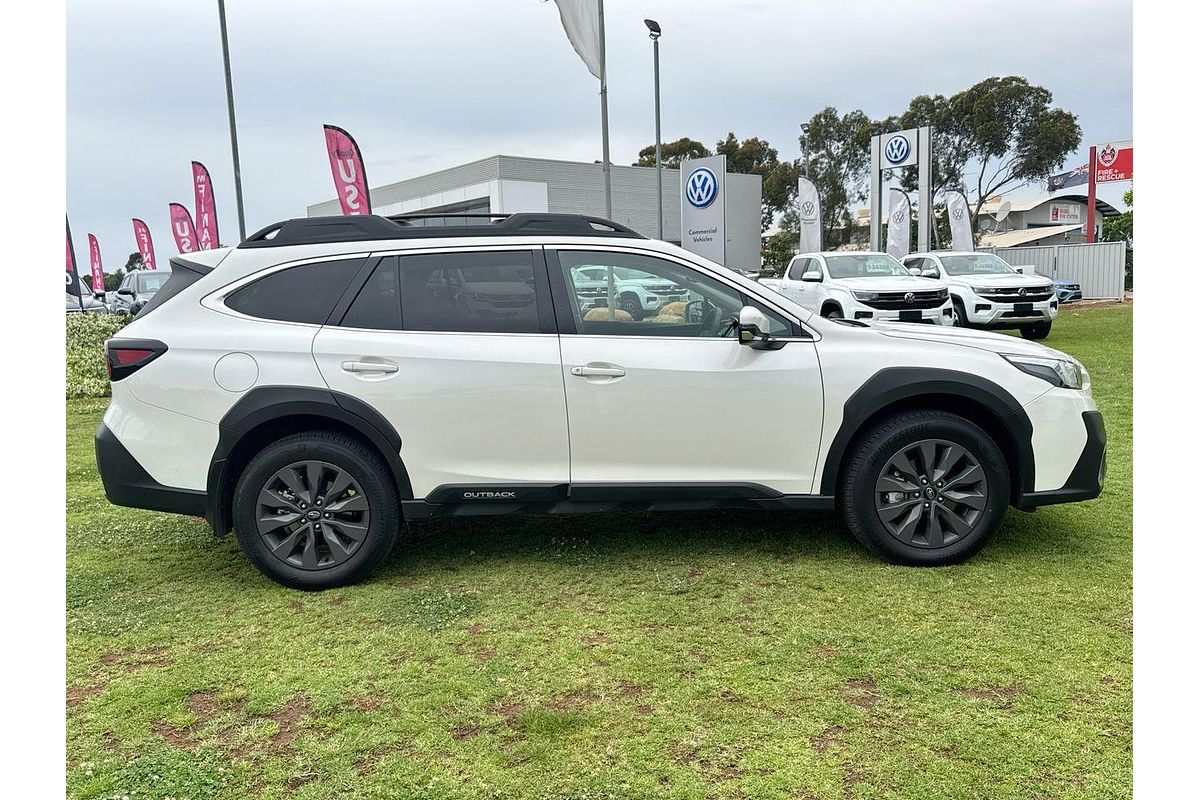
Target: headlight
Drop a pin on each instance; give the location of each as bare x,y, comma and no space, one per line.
866,297
1061,372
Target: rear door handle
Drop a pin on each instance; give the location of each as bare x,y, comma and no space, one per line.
368,366
598,372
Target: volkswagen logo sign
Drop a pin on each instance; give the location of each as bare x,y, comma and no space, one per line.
898,217
896,149
909,297
701,187
808,208
957,213
1021,292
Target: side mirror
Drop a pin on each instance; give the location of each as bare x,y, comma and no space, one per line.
1020,270
914,271
812,276
752,327
930,273
125,290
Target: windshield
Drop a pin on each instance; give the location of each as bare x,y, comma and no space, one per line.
977,264
853,265
152,281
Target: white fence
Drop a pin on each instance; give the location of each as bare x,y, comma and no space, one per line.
1099,267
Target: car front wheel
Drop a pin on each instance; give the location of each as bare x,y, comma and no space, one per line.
1039,331
316,510
925,488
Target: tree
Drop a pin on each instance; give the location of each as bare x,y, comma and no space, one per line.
755,156
1008,127
113,279
134,262
837,156
673,153
951,149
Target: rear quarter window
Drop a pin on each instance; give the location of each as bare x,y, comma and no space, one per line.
306,293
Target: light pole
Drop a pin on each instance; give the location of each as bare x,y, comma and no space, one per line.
655,32
237,166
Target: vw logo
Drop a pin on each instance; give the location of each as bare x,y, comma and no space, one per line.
896,149
909,297
898,217
957,213
808,208
1021,292
1107,155
701,188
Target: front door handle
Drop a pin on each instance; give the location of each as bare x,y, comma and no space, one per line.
368,366
598,372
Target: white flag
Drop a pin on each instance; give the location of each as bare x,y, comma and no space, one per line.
960,222
808,203
581,21
899,224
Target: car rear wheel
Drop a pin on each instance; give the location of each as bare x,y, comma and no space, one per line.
316,510
832,312
925,488
1039,331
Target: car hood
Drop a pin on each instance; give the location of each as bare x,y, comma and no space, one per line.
968,337
890,283
1003,281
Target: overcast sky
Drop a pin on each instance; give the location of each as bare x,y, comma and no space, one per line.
427,84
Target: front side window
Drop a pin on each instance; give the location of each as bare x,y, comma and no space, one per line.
481,292
977,264
627,294
863,265
799,267
306,293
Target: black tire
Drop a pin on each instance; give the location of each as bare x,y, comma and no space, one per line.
630,303
1039,331
831,312
960,314
873,453
337,453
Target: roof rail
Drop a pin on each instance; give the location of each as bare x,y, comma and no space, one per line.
325,230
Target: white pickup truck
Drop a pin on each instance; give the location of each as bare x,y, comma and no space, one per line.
864,286
638,293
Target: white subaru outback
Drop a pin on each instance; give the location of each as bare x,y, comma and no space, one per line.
325,381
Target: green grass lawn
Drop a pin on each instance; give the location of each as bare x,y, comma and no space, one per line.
705,655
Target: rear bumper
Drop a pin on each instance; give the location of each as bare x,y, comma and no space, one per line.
126,483
1087,478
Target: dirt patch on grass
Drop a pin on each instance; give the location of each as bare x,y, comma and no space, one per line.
1000,696
288,717
572,701
365,702
466,732
77,696
630,691
509,709
134,659
862,692
828,737
595,639
367,763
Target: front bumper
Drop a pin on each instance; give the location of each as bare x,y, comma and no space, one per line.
126,483
985,313
1087,478
942,315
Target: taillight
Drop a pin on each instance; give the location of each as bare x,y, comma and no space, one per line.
123,357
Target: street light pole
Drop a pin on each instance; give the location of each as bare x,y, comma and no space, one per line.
655,33
237,164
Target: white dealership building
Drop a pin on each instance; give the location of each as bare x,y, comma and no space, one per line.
509,184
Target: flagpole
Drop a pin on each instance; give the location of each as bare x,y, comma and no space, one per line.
237,166
604,118
1091,208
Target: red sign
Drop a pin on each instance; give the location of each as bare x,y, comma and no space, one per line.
141,234
182,228
206,208
97,266
349,174
1114,162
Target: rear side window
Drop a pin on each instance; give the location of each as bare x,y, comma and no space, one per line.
377,305
481,292
306,293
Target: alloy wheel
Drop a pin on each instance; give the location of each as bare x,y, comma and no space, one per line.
312,515
931,494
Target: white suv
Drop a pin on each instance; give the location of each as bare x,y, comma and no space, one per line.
862,286
323,382
990,294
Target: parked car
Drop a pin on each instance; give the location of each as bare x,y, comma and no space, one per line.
1067,291
137,289
89,305
988,293
862,286
638,293
310,390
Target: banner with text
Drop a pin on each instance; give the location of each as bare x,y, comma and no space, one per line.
72,273
702,207
1114,162
145,246
97,265
961,237
349,174
205,231
899,225
183,229
808,203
